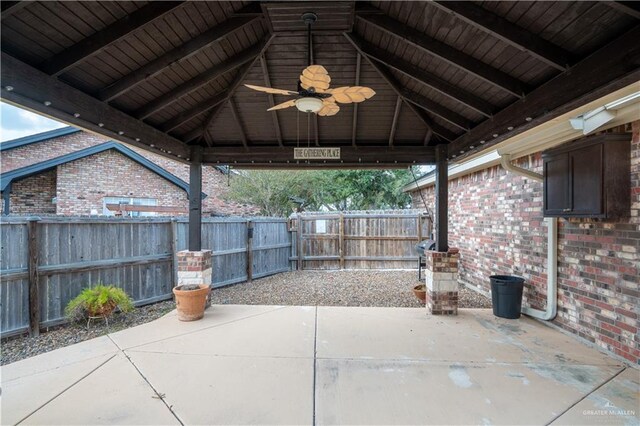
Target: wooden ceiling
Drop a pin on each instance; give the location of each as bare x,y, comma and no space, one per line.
169,75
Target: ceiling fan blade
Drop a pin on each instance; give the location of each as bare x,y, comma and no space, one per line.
315,76
283,105
271,90
350,94
329,108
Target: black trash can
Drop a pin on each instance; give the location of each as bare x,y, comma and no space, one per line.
506,295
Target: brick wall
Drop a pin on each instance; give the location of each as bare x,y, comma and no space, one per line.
214,182
496,221
34,195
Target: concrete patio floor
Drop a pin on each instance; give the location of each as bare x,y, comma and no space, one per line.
325,365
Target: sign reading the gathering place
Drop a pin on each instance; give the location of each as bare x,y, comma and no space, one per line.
316,153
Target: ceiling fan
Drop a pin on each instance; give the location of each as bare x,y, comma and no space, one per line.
314,94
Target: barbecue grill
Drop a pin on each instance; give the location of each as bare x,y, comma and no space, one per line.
421,248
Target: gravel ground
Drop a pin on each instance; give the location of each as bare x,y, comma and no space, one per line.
305,288
15,349
337,288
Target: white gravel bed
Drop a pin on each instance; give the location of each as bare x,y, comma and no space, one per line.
304,288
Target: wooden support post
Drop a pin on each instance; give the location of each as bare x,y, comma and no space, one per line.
249,250
34,285
341,240
300,248
195,200
174,250
442,198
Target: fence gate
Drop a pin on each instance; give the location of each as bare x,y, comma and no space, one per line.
359,240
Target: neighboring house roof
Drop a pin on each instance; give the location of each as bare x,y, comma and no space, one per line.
7,178
40,137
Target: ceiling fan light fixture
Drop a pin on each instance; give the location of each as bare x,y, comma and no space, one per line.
309,104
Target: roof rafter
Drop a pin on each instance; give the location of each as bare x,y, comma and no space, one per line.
33,89
97,42
631,8
391,81
192,113
461,60
199,81
437,109
173,57
270,99
457,94
508,32
236,118
230,91
354,125
610,68
394,123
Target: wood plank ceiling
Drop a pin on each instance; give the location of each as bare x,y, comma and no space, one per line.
167,76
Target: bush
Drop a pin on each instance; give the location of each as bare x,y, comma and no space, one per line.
100,300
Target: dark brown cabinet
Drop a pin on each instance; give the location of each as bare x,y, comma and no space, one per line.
589,177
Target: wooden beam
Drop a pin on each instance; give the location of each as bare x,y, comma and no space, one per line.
437,109
195,199
276,156
192,113
231,90
100,40
11,7
39,92
173,57
442,199
610,68
391,80
449,90
394,123
270,99
354,124
508,32
252,9
631,8
199,81
236,118
457,58
427,137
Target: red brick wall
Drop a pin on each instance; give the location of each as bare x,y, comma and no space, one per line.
496,221
34,195
214,182
83,184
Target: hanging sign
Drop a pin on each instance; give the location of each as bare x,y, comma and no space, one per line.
316,153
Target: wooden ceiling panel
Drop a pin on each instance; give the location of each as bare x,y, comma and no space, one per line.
409,128
332,16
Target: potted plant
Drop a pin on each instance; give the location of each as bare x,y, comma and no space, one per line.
421,292
191,300
98,301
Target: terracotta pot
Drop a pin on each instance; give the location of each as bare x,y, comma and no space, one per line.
191,303
421,292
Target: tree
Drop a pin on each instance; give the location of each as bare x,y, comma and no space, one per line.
276,192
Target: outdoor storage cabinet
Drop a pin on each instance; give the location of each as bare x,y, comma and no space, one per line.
589,177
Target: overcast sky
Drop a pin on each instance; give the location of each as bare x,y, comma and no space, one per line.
16,123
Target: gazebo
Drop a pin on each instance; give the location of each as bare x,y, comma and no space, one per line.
451,78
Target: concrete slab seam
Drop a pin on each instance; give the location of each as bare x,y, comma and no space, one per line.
66,389
586,396
315,364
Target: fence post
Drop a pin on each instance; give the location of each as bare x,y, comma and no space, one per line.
34,290
300,248
249,250
341,240
419,227
174,250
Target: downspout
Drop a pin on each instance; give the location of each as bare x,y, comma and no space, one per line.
552,249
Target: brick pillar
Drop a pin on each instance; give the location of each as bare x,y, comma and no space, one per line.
194,267
441,274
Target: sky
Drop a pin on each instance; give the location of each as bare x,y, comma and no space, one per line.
16,123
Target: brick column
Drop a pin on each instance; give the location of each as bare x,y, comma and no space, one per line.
441,274
194,267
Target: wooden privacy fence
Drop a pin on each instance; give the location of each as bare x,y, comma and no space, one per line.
45,263
358,240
